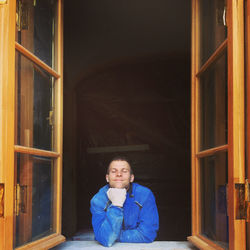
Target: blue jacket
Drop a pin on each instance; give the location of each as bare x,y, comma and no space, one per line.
137,221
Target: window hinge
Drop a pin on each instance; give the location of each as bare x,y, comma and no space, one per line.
51,117
17,200
21,199
247,200
1,200
22,16
243,201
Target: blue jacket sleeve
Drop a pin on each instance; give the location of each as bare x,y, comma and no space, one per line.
106,224
148,224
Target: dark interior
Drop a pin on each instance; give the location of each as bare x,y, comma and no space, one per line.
127,92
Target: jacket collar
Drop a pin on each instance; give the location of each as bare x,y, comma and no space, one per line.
130,190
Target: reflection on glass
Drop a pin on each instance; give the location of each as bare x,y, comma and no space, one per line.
212,27
213,105
34,105
214,218
35,27
34,195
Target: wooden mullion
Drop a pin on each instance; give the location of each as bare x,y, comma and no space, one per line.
247,52
193,114
212,151
218,52
7,98
236,143
58,132
247,113
34,151
197,116
36,60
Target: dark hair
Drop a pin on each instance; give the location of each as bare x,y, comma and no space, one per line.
120,158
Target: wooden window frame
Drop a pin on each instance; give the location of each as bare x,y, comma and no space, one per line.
7,83
247,52
7,118
247,73
235,147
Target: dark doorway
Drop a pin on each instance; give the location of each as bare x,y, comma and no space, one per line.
135,104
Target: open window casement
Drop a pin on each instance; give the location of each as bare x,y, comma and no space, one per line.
31,124
220,204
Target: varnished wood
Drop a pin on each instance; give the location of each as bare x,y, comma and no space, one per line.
247,50
235,147
212,151
218,52
58,133
247,67
36,60
7,60
211,243
199,243
203,243
236,151
238,100
35,151
44,243
7,231
197,117
193,118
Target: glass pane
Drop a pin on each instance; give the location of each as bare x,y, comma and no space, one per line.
34,194
214,218
213,105
35,27
212,27
34,105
